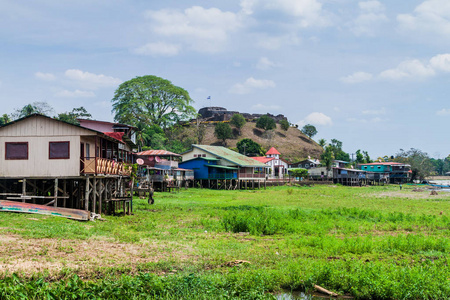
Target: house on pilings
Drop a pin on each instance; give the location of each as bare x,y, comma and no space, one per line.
51,162
221,168
159,169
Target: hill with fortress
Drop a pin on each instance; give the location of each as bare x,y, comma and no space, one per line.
292,144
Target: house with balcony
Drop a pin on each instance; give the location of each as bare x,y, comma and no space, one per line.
222,166
51,162
159,167
394,172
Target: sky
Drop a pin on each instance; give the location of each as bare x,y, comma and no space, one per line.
372,74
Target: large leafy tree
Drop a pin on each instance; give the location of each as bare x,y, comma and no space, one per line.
223,131
151,100
338,153
265,122
309,130
327,157
249,147
238,121
421,165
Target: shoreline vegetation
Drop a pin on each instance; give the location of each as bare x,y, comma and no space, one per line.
365,242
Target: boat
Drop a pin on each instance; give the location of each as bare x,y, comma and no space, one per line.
22,207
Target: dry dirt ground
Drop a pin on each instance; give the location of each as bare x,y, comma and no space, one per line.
29,256
418,194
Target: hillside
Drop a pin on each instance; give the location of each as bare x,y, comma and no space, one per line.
292,144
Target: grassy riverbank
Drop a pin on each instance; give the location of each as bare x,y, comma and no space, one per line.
369,242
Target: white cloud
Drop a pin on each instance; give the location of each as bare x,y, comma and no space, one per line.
45,76
371,17
443,112
75,94
409,69
201,29
308,12
91,80
431,17
316,118
265,64
441,62
381,111
371,6
357,77
158,49
251,84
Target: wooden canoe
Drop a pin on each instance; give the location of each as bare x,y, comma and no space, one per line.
14,206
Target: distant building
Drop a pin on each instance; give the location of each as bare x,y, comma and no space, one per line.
277,167
306,164
220,163
396,172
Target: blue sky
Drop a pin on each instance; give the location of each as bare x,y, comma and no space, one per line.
373,74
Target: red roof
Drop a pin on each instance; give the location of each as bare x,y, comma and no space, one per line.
116,135
272,151
263,159
157,153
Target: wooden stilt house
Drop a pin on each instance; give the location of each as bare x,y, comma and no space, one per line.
51,162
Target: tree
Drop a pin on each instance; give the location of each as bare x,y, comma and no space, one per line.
322,143
151,100
76,113
238,121
223,131
34,108
309,130
4,119
359,157
338,153
327,157
367,157
249,147
266,123
421,165
284,125
298,172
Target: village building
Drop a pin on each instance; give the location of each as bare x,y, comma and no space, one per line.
51,162
159,169
220,167
306,164
394,172
277,167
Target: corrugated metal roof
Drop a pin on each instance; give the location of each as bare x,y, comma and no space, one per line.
221,167
231,156
157,153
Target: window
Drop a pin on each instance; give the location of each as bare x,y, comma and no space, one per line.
88,151
59,150
16,151
203,155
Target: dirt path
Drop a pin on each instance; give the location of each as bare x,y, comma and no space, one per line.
29,256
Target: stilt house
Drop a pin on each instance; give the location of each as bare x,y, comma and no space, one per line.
51,162
220,167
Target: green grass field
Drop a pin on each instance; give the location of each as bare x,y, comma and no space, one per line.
369,242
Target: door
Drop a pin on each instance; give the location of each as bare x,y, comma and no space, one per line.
82,157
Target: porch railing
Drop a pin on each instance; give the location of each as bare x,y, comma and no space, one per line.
251,175
97,165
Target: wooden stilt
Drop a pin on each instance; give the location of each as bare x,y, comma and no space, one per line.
24,189
94,195
86,194
56,193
